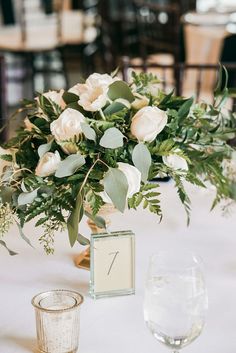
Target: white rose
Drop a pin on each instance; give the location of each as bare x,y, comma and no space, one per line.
93,80
140,101
68,125
48,164
94,99
93,93
56,97
133,177
3,163
147,123
175,162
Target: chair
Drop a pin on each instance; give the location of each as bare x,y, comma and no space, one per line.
190,81
118,30
80,33
7,12
2,99
186,5
228,54
159,28
34,40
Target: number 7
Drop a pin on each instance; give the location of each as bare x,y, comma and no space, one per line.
115,253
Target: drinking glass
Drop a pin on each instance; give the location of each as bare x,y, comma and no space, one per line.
175,301
57,320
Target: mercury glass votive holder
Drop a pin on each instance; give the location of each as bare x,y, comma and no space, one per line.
57,321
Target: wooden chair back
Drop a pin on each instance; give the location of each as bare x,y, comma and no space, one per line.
2,99
159,28
196,80
118,30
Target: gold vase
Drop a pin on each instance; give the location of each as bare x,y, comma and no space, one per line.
83,259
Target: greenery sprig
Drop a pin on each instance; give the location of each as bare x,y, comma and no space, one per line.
104,141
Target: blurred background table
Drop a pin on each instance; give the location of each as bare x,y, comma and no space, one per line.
51,44
116,324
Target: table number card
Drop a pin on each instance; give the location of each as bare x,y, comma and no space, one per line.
112,264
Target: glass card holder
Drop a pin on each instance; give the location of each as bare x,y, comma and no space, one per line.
112,268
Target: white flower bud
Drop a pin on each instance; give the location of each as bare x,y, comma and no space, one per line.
48,164
176,162
56,97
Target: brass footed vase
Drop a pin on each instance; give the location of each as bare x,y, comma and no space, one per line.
83,259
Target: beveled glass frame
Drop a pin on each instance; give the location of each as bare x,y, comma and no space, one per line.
99,237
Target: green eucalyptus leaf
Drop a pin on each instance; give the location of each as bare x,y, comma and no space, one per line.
98,220
116,187
69,97
27,197
76,106
23,235
82,240
142,160
233,191
69,165
88,132
12,253
113,108
112,138
120,89
73,220
44,148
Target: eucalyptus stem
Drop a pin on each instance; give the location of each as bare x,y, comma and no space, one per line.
102,114
87,175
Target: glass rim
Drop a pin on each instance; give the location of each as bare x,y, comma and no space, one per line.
197,260
36,302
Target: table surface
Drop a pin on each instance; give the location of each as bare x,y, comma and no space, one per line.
116,324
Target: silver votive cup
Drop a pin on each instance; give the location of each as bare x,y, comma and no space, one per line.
57,320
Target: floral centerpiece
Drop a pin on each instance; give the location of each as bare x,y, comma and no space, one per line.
103,141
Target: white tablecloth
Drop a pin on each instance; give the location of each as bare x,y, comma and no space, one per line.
115,325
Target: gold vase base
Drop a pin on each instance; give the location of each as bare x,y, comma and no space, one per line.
83,260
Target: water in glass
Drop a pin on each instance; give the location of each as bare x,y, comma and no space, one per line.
175,299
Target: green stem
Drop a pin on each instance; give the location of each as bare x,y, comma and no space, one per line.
89,171
87,175
102,114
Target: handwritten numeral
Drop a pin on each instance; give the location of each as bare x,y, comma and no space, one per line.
115,253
